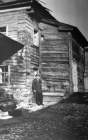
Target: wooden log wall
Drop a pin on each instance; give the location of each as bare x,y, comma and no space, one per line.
78,56
10,21
20,28
54,58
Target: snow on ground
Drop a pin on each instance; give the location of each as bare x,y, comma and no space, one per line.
30,107
4,115
33,107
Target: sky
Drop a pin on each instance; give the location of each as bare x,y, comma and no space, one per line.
74,12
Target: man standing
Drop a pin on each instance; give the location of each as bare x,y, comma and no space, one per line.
37,89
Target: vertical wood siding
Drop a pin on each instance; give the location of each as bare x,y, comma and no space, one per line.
78,56
86,70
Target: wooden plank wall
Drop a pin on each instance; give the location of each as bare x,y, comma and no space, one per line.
10,20
21,29
78,56
54,58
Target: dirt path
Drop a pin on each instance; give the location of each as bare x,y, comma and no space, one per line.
64,121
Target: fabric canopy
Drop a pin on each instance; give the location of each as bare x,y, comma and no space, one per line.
8,47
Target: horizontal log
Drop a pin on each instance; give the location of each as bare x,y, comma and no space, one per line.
64,60
55,74
52,44
55,41
48,54
45,69
51,64
55,62
54,65
57,83
53,58
54,52
55,79
50,47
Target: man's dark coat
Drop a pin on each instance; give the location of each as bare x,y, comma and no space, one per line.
37,91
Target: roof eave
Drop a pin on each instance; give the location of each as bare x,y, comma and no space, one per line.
15,9
77,35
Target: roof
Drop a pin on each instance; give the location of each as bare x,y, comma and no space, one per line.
14,4
43,14
8,47
76,34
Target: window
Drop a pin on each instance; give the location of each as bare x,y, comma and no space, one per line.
4,74
35,55
4,30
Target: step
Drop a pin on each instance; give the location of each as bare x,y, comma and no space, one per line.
53,94
51,99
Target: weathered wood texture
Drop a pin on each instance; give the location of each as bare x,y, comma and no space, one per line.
86,70
86,63
20,28
78,56
54,58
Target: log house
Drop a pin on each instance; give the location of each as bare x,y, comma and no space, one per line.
55,47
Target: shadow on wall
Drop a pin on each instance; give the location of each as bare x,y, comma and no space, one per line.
8,47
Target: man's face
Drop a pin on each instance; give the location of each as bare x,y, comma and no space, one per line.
35,73
38,76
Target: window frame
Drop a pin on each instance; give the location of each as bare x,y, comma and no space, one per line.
6,30
5,72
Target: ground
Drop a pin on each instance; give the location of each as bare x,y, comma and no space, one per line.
66,120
